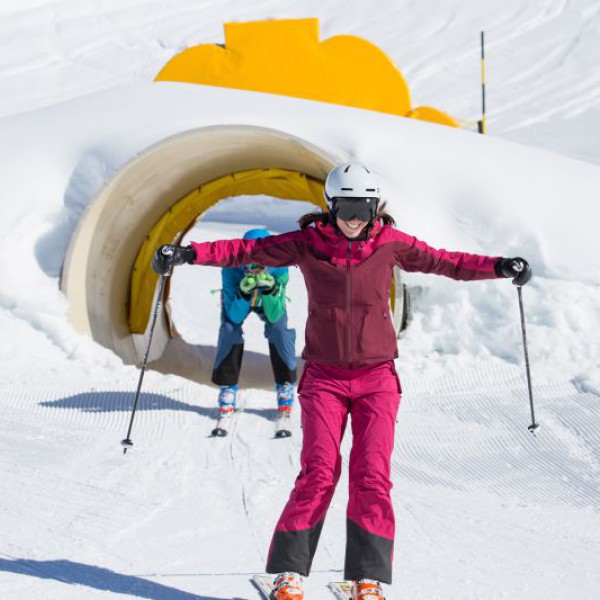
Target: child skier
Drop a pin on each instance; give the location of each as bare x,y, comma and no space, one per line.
346,256
261,290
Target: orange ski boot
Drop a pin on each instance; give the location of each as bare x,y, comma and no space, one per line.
288,586
367,589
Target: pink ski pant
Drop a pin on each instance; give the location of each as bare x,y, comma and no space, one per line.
328,394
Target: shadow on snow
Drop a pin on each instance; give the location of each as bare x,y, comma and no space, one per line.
107,401
123,401
98,578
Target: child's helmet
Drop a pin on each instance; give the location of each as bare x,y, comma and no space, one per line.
254,234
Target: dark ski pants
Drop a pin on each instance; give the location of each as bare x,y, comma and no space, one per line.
230,350
328,394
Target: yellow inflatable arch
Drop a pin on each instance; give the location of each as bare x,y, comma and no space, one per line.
286,57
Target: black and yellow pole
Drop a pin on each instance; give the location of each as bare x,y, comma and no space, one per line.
482,122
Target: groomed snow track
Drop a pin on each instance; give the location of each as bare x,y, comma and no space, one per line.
464,467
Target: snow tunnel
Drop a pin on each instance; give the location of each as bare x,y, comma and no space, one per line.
155,199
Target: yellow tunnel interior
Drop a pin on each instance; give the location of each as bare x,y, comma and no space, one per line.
278,183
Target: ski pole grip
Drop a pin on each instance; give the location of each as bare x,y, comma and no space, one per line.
517,265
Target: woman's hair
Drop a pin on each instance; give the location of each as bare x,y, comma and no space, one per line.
324,217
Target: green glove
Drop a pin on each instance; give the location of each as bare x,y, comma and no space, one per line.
248,284
266,282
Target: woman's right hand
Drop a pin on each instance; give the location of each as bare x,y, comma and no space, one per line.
517,268
169,255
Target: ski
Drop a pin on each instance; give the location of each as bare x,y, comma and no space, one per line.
264,584
342,590
223,425
225,422
283,425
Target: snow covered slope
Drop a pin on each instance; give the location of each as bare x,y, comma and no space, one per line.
484,509
541,56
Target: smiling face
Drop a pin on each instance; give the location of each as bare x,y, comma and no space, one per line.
353,228
353,213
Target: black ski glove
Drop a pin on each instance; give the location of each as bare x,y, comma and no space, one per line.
169,255
517,268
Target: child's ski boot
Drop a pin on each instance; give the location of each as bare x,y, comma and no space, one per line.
285,401
367,589
288,586
227,398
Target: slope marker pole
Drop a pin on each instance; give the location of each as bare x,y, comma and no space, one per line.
482,125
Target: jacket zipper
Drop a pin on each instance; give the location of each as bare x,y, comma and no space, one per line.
348,307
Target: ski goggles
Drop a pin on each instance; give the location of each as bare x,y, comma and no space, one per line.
363,209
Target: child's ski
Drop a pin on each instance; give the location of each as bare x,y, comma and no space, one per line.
264,584
225,423
283,425
342,590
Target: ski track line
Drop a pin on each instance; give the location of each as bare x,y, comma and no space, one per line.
507,29
488,376
257,471
235,442
498,463
552,10
238,443
497,448
500,455
53,479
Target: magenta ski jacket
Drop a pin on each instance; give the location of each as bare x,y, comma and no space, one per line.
349,322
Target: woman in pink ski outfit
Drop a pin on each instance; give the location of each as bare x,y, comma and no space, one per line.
346,257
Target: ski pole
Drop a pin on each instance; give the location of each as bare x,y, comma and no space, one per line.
533,425
127,443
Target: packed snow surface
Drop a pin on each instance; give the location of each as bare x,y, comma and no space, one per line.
485,510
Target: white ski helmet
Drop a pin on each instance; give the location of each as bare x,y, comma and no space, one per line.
351,180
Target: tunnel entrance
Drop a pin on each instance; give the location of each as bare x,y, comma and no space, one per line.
99,274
